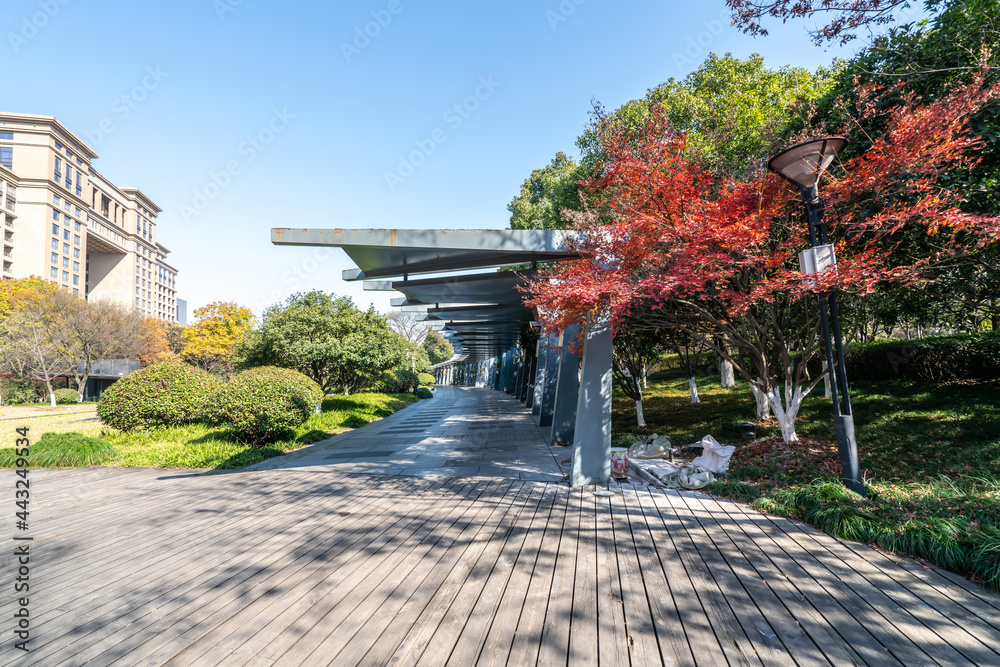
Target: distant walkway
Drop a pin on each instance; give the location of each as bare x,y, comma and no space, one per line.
294,567
462,431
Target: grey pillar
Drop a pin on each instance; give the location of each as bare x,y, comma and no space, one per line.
592,438
526,379
536,404
529,391
549,387
522,372
567,388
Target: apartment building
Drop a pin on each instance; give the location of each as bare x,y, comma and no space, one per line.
71,225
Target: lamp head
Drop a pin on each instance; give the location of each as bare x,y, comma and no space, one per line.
803,164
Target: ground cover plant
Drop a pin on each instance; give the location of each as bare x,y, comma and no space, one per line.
930,455
199,445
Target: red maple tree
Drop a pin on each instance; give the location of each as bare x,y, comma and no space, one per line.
668,246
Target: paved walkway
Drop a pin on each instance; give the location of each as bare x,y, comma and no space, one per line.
313,566
461,431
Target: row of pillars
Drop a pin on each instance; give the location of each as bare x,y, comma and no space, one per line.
467,374
573,399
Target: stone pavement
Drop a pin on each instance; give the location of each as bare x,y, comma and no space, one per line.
462,431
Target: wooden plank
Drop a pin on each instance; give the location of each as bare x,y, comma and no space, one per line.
484,548
583,636
527,634
613,635
500,637
667,587
554,645
731,636
378,638
781,607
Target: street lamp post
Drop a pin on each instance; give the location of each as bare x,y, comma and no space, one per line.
802,165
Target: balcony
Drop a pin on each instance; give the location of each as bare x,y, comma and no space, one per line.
102,236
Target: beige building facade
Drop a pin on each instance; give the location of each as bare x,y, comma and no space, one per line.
65,222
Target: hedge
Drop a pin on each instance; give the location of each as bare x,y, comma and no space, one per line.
938,359
425,379
166,394
67,396
396,381
261,405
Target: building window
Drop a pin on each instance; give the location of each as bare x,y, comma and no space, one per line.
76,280
69,177
137,290
54,273
65,248
79,184
55,215
76,226
76,267
55,244
76,291
7,156
76,239
65,276
58,146
65,262
55,228
6,136
55,200
76,253
55,258
65,234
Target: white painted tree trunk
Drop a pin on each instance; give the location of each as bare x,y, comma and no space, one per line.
52,398
728,375
826,382
763,405
787,412
645,376
694,390
640,418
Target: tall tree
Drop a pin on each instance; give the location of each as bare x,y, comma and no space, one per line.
438,348
103,330
209,343
546,193
407,325
325,337
721,252
633,349
37,335
846,17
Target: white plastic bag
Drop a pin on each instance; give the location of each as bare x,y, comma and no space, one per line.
714,457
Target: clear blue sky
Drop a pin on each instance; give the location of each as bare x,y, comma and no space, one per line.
341,118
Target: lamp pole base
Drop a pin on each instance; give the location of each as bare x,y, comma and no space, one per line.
847,444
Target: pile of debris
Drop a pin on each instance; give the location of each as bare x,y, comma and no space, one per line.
654,459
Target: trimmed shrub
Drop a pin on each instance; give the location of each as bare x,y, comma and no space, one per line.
15,392
425,379
67,396
167,394
424,392
396,381
938,359
63,450
261,405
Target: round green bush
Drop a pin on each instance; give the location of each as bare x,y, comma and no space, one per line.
67,396
424,392
425,379
396,381
261,405
166,394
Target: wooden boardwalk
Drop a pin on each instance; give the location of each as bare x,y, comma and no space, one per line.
150,567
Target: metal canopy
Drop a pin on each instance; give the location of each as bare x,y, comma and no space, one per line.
482,314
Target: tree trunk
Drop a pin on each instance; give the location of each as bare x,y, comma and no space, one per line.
645,376
52,393
728,375
694,390
640,418
826,381
786,414
763,405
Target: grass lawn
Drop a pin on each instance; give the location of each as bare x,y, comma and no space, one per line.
930,456
197,445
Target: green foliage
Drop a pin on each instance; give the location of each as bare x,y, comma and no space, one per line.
425,379
545,194
734,110
62,450
437,347
396,381
262,405
165,394
424,393
66,396
734,489
19,392
209,342
936,359
326,338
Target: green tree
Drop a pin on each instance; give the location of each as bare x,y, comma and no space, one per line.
438,348
733,111
546,193
326,338
210,342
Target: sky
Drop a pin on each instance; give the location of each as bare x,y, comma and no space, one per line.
236,116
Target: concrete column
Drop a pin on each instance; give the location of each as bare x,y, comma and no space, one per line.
529,391
549,387
592,437
519,383
536,404
567,388
526,378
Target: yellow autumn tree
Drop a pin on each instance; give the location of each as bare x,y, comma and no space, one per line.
209,342
155,347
